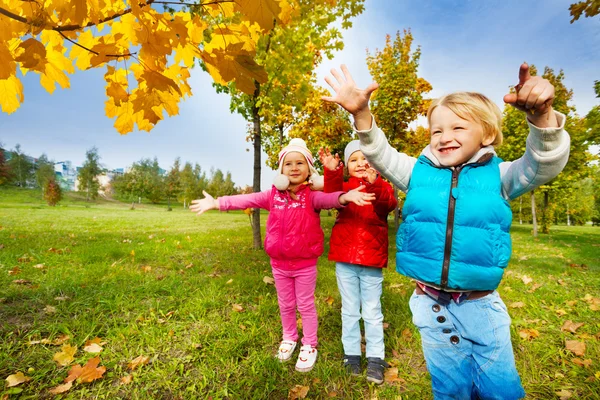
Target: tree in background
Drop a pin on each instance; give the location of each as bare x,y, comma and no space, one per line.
88,174
52,192
193,182
21,167
173,182
44,172
152,51
219,185
5,173
289,53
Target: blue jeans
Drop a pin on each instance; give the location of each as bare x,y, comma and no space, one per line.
360,288
467,348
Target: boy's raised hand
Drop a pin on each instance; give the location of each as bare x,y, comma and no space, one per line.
327,160
347,95
207,203
371,174
357,196
534,96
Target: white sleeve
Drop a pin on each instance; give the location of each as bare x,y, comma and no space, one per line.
546,154
393,165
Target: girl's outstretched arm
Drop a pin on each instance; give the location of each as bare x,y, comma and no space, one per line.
207,203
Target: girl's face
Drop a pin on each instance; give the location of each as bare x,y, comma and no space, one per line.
357,165
454,140
295,167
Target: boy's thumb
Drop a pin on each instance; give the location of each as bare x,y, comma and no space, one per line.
510,98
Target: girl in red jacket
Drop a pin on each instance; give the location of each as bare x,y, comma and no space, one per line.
359,246
293,241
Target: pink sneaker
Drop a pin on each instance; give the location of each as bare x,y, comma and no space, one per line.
286,348
306,358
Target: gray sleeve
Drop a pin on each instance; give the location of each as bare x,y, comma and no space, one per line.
546,154
393,165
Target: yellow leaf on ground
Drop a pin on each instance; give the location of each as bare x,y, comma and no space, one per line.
88,373
391,376
93,348
50,309
529,334
570,326
66,355
16,379
11,94
517,304
126,380
582,363
299,323
61,388
298,392
329,300
406,334
268,280
564,394
229,282
136,362
526,280
237,308
576,347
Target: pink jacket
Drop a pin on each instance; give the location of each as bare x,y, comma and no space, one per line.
294,238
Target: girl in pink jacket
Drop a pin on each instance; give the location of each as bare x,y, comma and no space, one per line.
293,241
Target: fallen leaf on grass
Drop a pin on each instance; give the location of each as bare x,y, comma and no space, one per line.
571,303
61,298
517,304
582,363
329,300
406,334
189,266
66,355
391,376
88,373
535,287
528,334
299,323
560,312
386,325
146,268
576,347
298,392
25,259
332,394
136,362
16,379
229,282
39,266
61,388
564,394
395,354
562,283
526,280
21,282
50,309
268,280
15,271
126,380
237,308
570,326
94,345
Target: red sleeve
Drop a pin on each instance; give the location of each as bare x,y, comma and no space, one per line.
334,180
385,201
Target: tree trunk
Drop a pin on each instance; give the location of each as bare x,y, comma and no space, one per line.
568,216
256,235
546,217
533,217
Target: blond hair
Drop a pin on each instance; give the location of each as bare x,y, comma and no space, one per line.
474,107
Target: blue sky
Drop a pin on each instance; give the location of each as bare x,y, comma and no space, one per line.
466,45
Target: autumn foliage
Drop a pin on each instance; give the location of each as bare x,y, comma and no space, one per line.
52,193
147,53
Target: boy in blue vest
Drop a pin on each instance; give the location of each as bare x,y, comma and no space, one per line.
454,240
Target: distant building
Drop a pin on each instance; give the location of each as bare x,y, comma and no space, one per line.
66,175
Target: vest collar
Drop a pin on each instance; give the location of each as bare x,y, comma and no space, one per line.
480,157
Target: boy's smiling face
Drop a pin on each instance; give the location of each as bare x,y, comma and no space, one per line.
454,140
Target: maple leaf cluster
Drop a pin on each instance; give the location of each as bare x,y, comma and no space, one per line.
152,51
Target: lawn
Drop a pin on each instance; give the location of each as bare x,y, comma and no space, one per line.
188,295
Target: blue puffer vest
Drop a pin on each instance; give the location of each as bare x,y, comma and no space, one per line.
455,233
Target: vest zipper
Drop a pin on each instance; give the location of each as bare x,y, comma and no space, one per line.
449,229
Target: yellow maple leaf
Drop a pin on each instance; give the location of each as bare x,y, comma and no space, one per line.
263,12
32,55
66,355
11,94
576,347
136,362
8,67
61,388
298,392
88,373
16,379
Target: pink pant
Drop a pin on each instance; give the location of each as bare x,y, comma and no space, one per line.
297,289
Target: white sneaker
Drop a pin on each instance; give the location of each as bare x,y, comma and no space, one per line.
306,358
286,348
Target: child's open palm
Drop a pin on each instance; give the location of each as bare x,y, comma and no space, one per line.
357,196
199,206
347,95
328,160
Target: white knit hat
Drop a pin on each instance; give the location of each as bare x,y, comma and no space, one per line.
351,148
282,182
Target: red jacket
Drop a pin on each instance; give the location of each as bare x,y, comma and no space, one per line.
360,233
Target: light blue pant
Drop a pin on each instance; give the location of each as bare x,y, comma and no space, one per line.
467,348
360,288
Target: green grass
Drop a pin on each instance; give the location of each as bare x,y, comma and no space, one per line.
178,312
